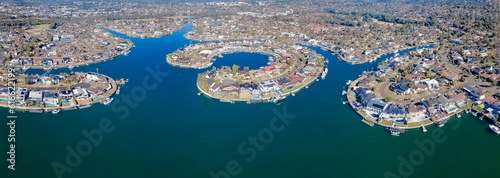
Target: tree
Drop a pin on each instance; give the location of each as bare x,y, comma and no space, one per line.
388,99
462,79
235,68
246,68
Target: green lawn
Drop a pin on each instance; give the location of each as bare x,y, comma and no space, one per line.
43,26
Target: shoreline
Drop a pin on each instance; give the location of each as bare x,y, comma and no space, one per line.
102,97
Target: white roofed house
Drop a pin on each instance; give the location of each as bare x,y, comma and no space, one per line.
50,99
376,105
35,96
269,86
80,94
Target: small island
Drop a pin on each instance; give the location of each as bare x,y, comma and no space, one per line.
427,86
290,68
53,93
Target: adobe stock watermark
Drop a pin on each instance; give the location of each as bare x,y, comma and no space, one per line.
249,148
121,107
426,148
11,138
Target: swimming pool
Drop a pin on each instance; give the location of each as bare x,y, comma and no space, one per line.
97,97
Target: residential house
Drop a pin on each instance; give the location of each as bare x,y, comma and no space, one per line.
393,113
50,99
35,96
376,105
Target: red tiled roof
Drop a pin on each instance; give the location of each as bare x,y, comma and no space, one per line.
269,68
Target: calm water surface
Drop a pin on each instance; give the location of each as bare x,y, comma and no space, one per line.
170,131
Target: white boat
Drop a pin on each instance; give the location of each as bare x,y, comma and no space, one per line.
56,111
323,75
25,68
118,90
70,66
107,101
348,82
47,68
276,99
495,128
344,92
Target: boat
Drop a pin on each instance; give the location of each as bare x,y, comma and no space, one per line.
25,68
440,123
55,111
394,131
71,67
220,56
495,128
348,82
323,75
84,106
47,68
423,128
107,101
344,92
276,99
118,90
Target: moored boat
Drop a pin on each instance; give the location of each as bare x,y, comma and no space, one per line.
55,111
440,123
107,101
495,128
394,131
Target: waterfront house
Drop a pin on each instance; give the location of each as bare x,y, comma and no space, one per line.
296,79
284,81
363,95
47,61
248,88
447,105
432,104
214,87
66,95
415,112
35,96
393,113
268,86
5,94
308,69
367,82
21,94
80,93
459,99
50,99
376,105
